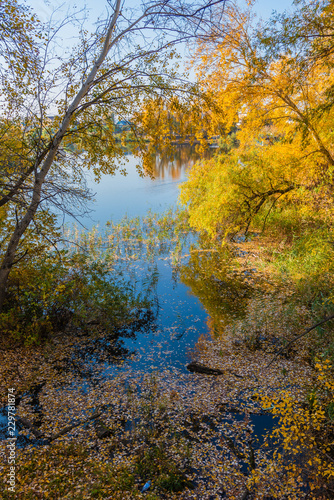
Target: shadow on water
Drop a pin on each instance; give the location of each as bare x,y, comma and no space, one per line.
108,349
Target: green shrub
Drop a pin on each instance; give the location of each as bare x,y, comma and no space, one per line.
43,296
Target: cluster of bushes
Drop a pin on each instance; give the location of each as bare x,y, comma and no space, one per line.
43,296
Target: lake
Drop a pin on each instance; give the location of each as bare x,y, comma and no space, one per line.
180,317
132,195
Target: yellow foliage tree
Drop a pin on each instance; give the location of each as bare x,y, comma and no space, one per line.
279,100
303,442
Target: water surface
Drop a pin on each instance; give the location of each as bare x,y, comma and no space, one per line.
187,301
132,195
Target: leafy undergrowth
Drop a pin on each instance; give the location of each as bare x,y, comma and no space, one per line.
297,454
276,288
303,439
192,436
163,428
44,297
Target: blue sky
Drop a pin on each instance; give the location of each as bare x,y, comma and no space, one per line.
263,8
97,8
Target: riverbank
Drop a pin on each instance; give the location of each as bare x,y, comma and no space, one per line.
120,419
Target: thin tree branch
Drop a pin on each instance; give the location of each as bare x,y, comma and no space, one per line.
299,337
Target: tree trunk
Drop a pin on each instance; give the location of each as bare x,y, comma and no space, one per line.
20,228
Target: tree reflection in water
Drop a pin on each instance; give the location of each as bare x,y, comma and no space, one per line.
212,278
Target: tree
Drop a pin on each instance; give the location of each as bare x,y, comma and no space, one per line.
112,71
275,87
